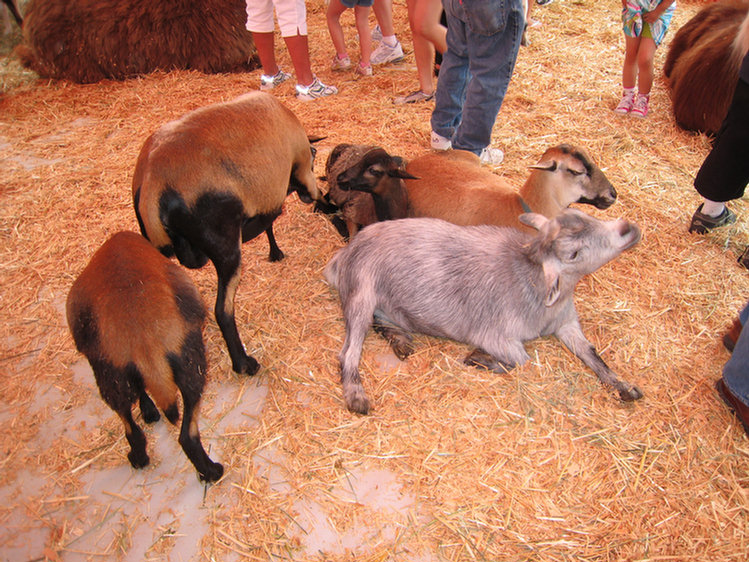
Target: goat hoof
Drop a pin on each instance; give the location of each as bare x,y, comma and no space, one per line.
215,472
630,394
276,256
150,413
248,366
357,402
401,349
478,358
138,460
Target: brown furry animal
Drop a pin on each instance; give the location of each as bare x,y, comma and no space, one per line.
215,178
453,186
138,319
91,40
702,64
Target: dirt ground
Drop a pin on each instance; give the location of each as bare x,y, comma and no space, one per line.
453,463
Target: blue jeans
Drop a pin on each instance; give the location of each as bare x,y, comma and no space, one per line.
483,38
736,370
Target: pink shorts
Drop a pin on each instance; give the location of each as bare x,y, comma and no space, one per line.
291,15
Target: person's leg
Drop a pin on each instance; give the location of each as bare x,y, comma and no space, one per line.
265,46
260,23
333,16
423,50
629,75
361,15
724,174
299,53
492,61
428,26
645,56
736,378
451,86
383,11
629,66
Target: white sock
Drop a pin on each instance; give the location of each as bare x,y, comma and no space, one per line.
712,208
629,92
390,40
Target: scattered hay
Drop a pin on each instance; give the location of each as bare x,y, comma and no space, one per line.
542,464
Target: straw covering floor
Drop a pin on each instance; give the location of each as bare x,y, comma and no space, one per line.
454,463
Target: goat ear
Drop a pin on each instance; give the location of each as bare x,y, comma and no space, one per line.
314,138
398,173
535,220
551,282
548,165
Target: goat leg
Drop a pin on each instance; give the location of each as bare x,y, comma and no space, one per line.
571,335
400,341
229,273
480,358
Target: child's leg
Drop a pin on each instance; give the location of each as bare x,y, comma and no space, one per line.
645,56
266,51
629,67
361,14
427,18
423,50
299,52
335,9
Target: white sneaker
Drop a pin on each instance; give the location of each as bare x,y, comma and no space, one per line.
340,64
440,143
314,91
626,103
270,82
491,156
640,107
384,53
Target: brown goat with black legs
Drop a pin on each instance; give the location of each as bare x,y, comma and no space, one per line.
92,40
138,319
215,178
453,186
702,64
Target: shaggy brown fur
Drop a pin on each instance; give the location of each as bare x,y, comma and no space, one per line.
702,65
91,40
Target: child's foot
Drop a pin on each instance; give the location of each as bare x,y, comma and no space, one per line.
363,70
384,53
625,106
314,91
341,63
270,82
640,108
413,97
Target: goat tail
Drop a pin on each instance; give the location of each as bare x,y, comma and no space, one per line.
331,270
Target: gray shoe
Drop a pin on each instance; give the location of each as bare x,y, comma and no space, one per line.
384,54
702,223
413,97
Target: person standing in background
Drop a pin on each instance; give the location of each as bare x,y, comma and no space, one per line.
483,40
427,34
645,23
292,20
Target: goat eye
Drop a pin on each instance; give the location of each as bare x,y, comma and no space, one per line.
377,172
573,256
575,172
